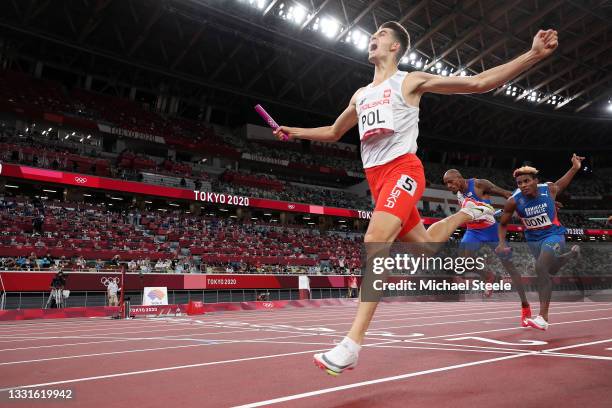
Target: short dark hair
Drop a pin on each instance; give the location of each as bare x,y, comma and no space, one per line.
401,35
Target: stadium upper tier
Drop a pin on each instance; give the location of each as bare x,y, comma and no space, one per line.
253,165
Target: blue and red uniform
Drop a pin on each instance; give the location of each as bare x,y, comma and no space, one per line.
481,232
543,231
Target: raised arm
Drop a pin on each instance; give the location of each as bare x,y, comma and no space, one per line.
544,43
505,219
492,189
333,133
561,184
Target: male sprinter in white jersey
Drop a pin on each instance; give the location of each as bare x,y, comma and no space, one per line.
484,231
387,114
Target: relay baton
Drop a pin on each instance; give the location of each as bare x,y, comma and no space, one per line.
271,122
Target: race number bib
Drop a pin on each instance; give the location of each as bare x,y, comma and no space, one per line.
538,221
376,114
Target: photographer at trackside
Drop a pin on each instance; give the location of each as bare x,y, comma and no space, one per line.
56,297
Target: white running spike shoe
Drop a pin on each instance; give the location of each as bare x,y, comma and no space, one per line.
479,211
537,323
342,357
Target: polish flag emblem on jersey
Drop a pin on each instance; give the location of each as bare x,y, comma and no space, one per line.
387,93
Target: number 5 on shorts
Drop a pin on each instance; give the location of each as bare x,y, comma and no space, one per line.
407,184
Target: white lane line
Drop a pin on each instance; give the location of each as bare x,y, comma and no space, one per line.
112,325
580,345
203,343
172,368
480,320
400,377
125,339
377,381
418,340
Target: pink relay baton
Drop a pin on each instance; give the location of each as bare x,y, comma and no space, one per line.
271,122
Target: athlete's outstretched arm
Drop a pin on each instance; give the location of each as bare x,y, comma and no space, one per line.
544,43
333,133
563,182
505,219
492,189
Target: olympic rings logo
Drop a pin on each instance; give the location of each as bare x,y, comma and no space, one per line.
80,180
107,281
268,305
291,206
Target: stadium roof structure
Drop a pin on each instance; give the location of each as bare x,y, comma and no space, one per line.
307,58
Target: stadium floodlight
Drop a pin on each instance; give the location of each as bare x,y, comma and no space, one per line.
81,139
88,136
412,56
359,39
419,64
610,106
50,129
10,186
463,73
67,136
329,27
49,191
254,218
260,4
444,72
404,60
117,198
148,202
174,205
268,214
297,14
438,65
86,195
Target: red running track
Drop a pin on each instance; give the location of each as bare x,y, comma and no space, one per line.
416,354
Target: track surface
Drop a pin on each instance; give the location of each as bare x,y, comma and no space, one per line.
416,354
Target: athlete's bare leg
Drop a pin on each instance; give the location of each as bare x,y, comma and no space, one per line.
516,281
544,264
438,232
384,228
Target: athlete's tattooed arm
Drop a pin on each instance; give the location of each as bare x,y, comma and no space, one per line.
492,189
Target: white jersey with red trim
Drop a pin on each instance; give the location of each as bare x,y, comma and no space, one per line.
388,126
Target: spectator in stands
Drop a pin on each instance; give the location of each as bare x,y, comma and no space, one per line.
80,263
99,264
132,266
116,261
